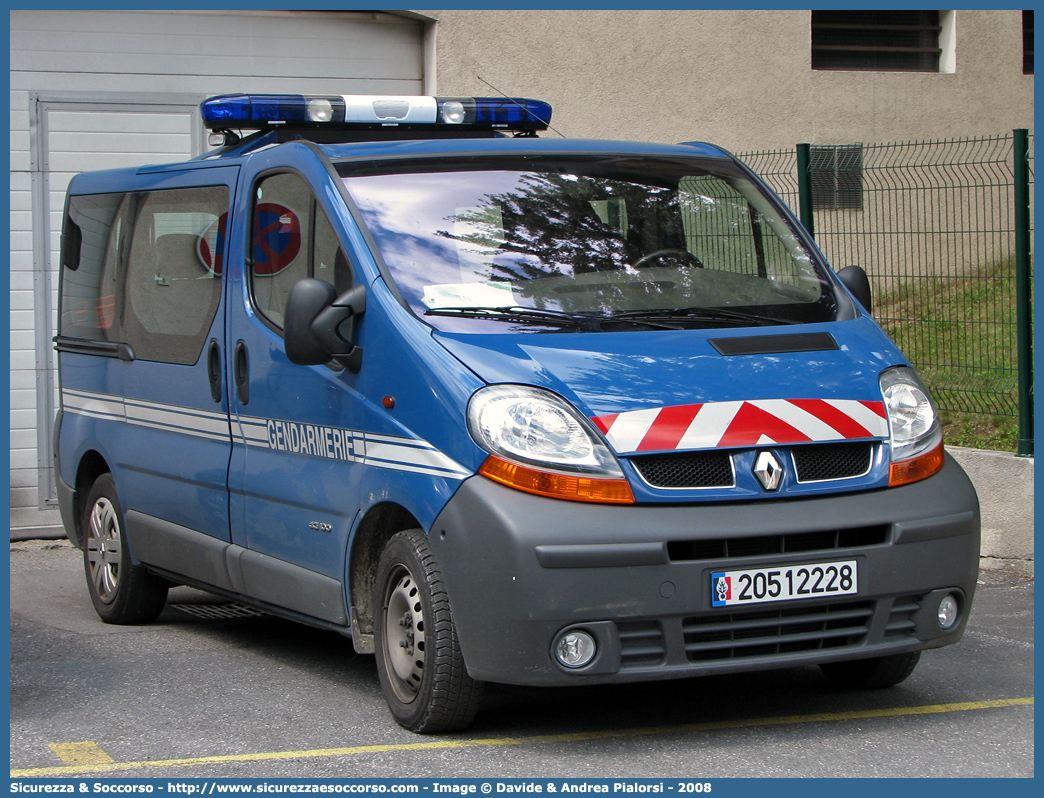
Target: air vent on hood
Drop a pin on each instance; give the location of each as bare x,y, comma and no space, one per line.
774,344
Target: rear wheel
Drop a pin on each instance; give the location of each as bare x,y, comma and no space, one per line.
122,592
419,661
870,674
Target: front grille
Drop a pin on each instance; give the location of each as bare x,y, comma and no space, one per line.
901,619
787,630
832,461
714,469
686,469
743,634
641,644
738,547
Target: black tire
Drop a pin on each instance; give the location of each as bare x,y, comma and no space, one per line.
419,661
871,674
122,592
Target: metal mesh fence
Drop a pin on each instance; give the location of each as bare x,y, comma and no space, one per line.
779,169
933,225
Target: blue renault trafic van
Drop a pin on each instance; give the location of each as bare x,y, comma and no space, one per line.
501,408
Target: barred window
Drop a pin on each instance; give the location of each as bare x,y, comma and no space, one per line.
1027,42
837,177
881,41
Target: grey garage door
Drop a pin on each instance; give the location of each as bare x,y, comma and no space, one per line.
99,89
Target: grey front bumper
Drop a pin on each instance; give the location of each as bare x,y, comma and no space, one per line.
520,569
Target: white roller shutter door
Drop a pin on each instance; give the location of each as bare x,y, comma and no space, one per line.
102,89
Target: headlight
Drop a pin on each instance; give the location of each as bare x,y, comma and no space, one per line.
540,444
913,422
538,428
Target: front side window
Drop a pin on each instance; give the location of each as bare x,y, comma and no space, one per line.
292,238
587,244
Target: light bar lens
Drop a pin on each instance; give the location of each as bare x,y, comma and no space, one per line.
264,110
320,109
512,113
260,111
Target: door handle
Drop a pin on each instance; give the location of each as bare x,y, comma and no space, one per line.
214,369
242,373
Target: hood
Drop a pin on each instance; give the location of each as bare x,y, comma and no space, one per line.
698,389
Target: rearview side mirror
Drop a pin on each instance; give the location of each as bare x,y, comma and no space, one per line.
314,324
855,280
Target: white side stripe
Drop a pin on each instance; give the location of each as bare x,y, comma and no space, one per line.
169,418
380,451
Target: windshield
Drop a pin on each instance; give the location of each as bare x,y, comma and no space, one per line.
540,243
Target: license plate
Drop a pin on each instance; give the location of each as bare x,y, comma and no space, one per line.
784,583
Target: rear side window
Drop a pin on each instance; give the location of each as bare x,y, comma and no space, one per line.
147,271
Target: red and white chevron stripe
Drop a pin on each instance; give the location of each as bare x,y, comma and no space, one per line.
746,423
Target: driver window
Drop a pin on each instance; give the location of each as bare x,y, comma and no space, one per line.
292,238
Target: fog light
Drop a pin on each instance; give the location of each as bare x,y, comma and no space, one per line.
575,649
947,611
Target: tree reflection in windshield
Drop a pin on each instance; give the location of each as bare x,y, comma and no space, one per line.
551,222
562,241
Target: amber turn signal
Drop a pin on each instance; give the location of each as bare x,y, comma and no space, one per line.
557,486
916,468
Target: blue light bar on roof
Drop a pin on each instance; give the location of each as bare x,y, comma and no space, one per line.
263,111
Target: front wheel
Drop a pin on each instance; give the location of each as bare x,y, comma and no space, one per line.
122,592
871,674
419,661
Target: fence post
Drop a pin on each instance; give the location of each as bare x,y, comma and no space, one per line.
804,163
1023,291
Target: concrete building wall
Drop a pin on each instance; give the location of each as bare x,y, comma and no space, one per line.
741,79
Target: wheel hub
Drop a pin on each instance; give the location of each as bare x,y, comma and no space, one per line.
404,635
103,550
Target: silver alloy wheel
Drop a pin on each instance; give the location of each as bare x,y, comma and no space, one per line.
104,550
404,634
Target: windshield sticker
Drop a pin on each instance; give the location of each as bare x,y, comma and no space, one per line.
468,295
745,423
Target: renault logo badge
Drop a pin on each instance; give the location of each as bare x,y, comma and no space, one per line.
768,470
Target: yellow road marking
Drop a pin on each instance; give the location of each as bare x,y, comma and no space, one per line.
81,753
86,768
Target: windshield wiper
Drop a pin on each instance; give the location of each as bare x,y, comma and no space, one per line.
700,314
580,321
664,318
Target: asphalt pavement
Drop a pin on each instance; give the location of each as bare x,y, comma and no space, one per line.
212,690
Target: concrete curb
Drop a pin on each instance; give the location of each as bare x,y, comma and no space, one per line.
1004,483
